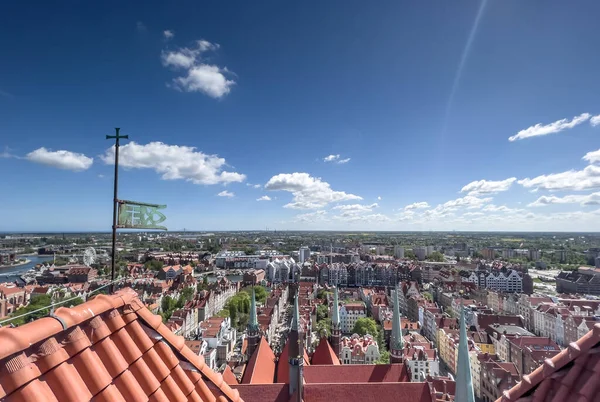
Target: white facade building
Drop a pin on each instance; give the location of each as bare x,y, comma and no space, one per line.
349,314
359,350
303,254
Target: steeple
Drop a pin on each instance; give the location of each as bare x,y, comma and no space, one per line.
397,340
252,330
335,323
296,357
464,382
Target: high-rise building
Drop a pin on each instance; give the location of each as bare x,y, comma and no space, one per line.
303,254
399,252
420,252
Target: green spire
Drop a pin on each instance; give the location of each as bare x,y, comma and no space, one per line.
253,322
296,317
335,313
464,382
397,341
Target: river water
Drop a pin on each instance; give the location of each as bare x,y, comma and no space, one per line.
34,260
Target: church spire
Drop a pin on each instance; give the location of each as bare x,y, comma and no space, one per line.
397,341
252,330
335,323
296,359
464,382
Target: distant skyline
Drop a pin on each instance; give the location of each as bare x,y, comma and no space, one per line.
405,116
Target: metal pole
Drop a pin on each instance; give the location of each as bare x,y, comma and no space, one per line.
115,206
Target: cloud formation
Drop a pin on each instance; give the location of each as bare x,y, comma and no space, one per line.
65,160
311,217
594,121
174,162
356,207
336,159
555,127
482,187
583,200
226,193
416,205
264,198
308,192
198,76
168,34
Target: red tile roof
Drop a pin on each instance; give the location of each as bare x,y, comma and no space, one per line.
571,375
283,366
111,348
229,377
352,373
264,392
261,366
324,354
368,392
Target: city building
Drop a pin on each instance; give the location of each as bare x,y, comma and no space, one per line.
496,378
585,280
359,350
349,314
303,254
529,352
398,252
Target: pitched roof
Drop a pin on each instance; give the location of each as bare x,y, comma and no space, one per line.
229,377
261,366
352,373
283,367
571,375
264,392
324,354
368,392
111,348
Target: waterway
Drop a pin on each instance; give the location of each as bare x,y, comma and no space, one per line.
33,261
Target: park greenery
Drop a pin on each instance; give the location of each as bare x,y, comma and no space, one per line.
169,304
41,303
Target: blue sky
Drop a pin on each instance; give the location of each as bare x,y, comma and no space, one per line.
227,103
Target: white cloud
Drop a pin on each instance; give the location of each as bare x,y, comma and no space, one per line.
595,120
416,205
379,198
592,157
577,180
555,127
60,159
354,218
101,176
174,162
469,202
500,208
168,34
356,208
226,193
254,185
589,199
312,217
472,214
309,192
141,27
199,76
480,187
336,159
264,198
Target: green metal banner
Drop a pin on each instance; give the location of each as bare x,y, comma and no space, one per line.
138,215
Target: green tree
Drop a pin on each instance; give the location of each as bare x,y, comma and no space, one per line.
153,265
322,312
322,294
410,255
260,292
384,358
323,328
365,325
436,256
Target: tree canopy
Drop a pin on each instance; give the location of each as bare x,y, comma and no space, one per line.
260,292
153,265
436,256
365,325
322,312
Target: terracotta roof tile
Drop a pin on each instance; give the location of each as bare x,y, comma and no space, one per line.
111,348
570,375
283,366
264,392
368,392
261,366
229,377
358,373
324,354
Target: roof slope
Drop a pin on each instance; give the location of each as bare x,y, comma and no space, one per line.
283,364
229,377
111,348
324,354
571,375
368,392
261,366
355,373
